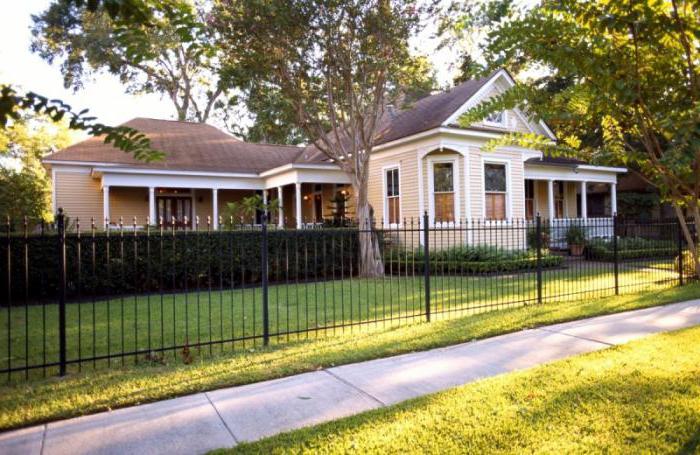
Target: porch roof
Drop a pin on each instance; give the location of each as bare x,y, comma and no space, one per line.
188,147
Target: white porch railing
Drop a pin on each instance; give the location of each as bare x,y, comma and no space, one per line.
593,228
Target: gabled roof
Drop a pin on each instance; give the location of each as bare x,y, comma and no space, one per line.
201,147
188,146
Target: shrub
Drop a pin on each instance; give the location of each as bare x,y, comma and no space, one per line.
575,235
629,248
129,263
469,259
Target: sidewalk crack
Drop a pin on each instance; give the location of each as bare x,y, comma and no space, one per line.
43,438
230,431
348,383
576,336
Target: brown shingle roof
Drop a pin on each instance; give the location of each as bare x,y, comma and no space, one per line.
188,146
425,114
202,147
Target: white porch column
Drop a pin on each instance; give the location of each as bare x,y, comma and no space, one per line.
584,200
550,199
613,198
152,205
280,221
215,208
105,204
297,197
267,212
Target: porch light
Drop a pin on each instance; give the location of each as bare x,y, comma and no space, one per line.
306,197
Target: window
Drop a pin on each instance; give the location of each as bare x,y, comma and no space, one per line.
444,192
559,200
529,199
496,118
495,183
393,198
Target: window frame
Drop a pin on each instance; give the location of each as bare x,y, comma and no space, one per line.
502,124
385,197
456,182
508,193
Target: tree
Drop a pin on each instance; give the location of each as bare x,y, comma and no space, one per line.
13,100
173,53
335,63
24,185
468,69
628,67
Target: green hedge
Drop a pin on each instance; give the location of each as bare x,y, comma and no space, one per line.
630,248
469,259
470,267
128,263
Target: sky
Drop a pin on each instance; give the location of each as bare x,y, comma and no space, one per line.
105,97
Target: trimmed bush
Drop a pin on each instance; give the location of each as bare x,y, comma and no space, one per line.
630,248
128,263
469,259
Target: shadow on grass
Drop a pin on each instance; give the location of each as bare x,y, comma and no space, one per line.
88,392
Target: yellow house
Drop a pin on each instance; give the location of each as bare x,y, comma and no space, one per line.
423,161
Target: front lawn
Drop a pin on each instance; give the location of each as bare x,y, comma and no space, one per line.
23,404
226,320
642,397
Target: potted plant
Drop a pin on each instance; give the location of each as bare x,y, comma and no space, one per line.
576,239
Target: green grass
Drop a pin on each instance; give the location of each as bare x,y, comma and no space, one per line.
146,323
642,397
38,401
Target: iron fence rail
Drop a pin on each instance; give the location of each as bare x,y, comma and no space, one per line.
79,297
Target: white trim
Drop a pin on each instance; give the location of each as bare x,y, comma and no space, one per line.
280,202
54,208
152,205
215,208
509,185
105,205
297,207
385,205
590,167
479,93
421,190
503,124
292,166
456,187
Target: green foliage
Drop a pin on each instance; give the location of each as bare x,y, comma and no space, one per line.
469,259
630,248
24,184
124,138
180,261
638,205
575,235
245,209
172,53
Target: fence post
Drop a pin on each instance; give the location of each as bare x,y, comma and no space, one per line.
263,277
615,256
538,246
61,228
426,264
680,252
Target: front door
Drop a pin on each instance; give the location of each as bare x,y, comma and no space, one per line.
174,208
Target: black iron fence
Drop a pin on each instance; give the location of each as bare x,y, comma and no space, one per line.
84,296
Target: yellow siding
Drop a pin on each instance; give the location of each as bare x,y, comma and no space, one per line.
128,203
79,195
408,187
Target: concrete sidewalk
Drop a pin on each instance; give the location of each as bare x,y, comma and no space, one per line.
222,418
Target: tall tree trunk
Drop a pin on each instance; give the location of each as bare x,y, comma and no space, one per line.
371,264
690,241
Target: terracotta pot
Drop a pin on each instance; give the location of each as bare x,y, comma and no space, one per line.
576,250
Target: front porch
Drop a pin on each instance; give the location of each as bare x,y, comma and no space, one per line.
298,205
566,203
